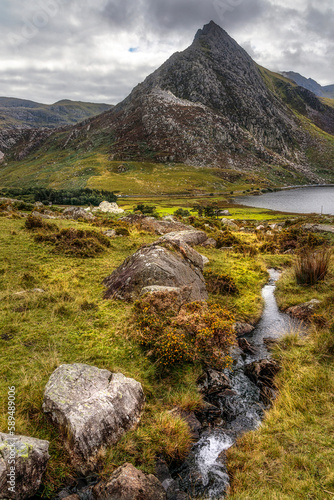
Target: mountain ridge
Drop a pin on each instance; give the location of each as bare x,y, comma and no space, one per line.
24,113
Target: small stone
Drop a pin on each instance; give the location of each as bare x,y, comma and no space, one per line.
110,233
129,483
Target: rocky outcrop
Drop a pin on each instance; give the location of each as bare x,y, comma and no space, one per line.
77,213
263,373
92,409
108,208
241,328
23,461
129,483
213,382
304,311
246,347
155,265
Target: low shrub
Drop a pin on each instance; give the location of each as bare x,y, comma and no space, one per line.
226,239
312,266
122,231
34,222
174,334
78,243
180,212
220,283
246,249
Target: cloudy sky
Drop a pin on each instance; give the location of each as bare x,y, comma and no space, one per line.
98,50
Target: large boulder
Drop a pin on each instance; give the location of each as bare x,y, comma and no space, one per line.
157,265
92,408
129,483
108,208
23,461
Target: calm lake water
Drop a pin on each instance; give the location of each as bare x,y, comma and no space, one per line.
300,200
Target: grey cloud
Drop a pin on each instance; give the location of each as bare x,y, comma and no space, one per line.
65,57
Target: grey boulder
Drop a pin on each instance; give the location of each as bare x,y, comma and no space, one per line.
153,265
92,408
129,483
77,213
23,461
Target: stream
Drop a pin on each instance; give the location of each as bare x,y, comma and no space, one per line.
204,474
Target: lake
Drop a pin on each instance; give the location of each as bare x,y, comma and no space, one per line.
315,199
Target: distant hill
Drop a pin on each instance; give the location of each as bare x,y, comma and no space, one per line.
309,84
22,113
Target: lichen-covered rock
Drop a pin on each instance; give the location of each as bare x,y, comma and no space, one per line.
92,408
129,483
181,295
191,237
23,461
156,265
162,226
210,243
77,213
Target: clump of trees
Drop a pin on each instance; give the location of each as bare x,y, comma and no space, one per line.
83,196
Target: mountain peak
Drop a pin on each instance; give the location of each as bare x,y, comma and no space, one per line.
211,30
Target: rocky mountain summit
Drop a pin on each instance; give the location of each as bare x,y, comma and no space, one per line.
210,105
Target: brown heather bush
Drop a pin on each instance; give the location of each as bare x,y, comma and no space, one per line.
220,283
34,222
174,334
76,242
312,266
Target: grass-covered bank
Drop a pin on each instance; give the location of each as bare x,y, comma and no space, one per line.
291,456
71,322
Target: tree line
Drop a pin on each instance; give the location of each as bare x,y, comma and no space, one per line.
83,196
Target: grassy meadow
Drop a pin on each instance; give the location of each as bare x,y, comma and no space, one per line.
290,455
